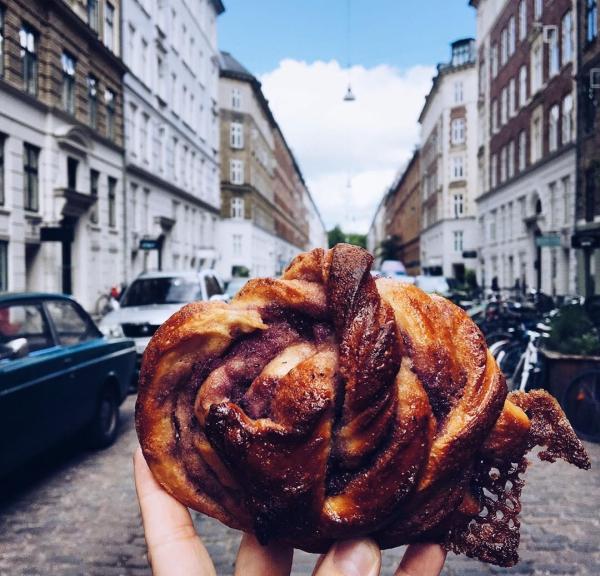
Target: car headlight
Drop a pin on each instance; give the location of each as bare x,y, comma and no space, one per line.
112,330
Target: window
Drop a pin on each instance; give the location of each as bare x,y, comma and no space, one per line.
31,156
458,93
554,52
536,68
236,98
237,244
236,135
504,106
458,169
553,128
566,184
511,159
457,129
512,97
25,321
174,102
537,8
1,41
567,119
93,101
523,86
109,100
29,65
112,201
494,170
143,140
512,36
494,116
503,47
522,20
236,171
144,60
109,25
72,165
2,141
459,205
68,88
591,17
522,150
503,166
567,37
237,207
72,327
494,60
458,240
212,286
92,14
94,181
536,136
3,266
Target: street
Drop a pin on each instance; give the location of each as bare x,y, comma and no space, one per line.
78,514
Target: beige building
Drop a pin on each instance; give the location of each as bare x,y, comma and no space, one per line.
266,219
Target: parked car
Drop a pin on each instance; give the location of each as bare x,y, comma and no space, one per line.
58,375
433,284
152,298
234,286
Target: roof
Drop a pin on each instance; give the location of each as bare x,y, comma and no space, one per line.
14,296
230,67
219,6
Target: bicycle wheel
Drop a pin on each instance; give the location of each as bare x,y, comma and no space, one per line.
510,358
581,403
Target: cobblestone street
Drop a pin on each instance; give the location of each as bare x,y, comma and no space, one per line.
80,516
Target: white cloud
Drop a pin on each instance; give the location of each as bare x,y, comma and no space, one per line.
365,142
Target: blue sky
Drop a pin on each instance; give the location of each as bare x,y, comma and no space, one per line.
401,33
349,153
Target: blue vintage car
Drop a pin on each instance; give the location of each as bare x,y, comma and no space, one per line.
58,375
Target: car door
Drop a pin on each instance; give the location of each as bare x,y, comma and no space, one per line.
80,350
28,419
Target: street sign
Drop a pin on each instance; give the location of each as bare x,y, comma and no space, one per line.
582,241
548,241
150,244
469,254
56,234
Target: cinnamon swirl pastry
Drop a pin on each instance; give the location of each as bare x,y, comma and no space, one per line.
327,404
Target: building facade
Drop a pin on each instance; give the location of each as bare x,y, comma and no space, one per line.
376,233
587,233
265,221
526,161
448,166
171,134
61,147
402,206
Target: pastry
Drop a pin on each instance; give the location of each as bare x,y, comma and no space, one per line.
328,404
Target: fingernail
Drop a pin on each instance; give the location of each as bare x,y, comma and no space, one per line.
356,557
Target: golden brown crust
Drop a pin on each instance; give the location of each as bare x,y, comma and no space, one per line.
326,405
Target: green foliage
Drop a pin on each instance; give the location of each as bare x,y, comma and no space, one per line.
337,236
573,332
390,248
240,272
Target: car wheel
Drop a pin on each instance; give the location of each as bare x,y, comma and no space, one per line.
103,428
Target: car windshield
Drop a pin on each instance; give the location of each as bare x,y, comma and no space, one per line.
433,284
147,291
235,286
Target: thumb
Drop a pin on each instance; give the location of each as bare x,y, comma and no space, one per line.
351,558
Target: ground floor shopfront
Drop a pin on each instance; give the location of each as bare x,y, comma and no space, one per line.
525,228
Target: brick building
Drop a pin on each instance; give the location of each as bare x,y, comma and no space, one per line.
587,234
266,218
402,206
526,157
448,165
61,147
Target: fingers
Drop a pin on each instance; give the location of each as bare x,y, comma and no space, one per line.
422,560
174,548
256,560
350,558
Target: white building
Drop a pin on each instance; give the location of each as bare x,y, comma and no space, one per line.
172,133
61,155
526,203
377,233
449,166
317,233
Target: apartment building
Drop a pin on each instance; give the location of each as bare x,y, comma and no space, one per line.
526,161
171,134
265,221
61,147
448,166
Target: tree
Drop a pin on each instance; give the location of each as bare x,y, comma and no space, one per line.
336,236
357,239
391,248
